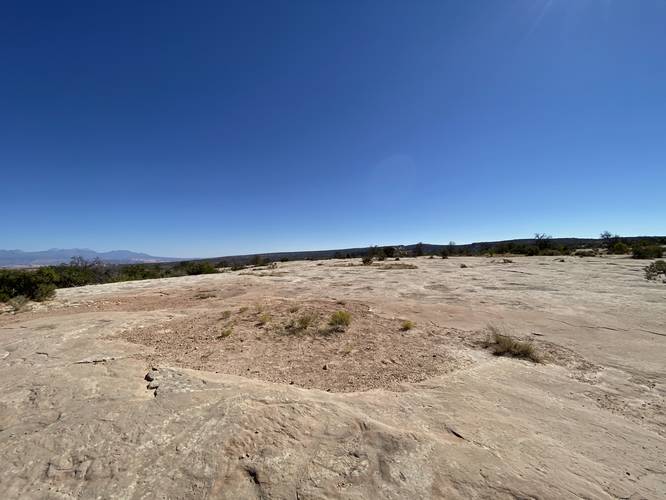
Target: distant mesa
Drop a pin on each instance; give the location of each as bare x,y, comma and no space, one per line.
53,256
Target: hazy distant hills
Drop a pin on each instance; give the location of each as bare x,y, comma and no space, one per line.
19,258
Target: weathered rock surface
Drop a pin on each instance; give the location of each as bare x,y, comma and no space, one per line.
80,417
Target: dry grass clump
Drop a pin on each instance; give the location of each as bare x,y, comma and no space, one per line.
340,320
407,325
18,303
302,323
655,269
504,345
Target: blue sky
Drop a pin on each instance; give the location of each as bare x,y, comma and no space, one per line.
212,128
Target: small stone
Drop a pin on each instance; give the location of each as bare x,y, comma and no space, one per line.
150,376
153,385
325,367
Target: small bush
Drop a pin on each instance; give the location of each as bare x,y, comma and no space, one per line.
340,320
647,252
192,268
44,291
367,260
504,345
305,321
406,325
655,269
224,333
463,266
34,285
19,302
585,253
619,248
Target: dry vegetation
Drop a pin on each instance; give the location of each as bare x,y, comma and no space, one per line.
505,345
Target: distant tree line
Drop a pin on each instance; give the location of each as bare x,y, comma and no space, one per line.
40,284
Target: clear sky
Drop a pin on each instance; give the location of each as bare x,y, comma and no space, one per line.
213,128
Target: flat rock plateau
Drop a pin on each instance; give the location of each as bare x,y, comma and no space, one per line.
234,385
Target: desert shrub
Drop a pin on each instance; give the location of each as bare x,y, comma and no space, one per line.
367,260
139,272
301,324
305,321
444,253
195,267
647,252
340,319
463,266
655,269
44,291
418,250
406,325
18,302
585,253
619,248
504,345
531,251
34,285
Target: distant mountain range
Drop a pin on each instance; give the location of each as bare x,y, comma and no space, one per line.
19,258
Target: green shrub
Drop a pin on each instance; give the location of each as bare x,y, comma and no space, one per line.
139,272
647,252
194,267
340,319
406,325
34,285
655,269
619,248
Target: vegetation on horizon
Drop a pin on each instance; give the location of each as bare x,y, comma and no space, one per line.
40,284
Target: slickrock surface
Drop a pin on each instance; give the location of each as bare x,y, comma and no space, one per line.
235,385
